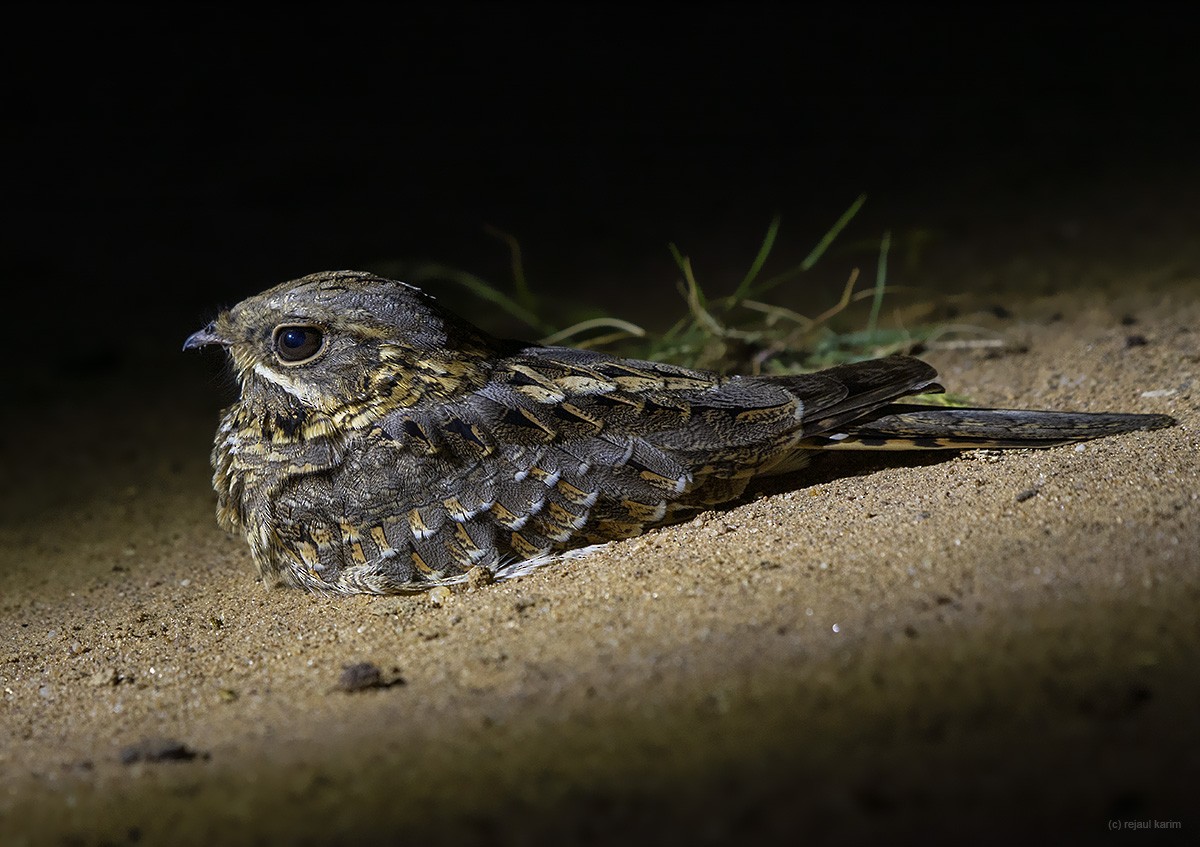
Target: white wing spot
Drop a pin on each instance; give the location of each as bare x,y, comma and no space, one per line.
468,514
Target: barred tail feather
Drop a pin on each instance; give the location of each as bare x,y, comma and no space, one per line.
912,427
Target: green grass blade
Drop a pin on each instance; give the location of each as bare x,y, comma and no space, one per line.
525,295
626,329
823,245
764,250
814,255
880,280
685,267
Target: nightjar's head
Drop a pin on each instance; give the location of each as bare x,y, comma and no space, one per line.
349,345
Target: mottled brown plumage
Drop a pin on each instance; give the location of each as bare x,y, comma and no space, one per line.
383,445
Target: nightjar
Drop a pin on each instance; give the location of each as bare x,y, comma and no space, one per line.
383,445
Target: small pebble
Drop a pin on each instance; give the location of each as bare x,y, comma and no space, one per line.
101,678
157,750
363,675
359,676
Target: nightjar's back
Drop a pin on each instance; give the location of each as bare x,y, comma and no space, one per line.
383,445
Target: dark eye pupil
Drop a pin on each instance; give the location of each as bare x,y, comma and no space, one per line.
296,343
294,339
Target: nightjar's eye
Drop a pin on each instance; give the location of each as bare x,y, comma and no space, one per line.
297,343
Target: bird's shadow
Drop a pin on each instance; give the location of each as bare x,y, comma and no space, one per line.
827,467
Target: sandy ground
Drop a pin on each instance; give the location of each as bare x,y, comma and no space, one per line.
892,647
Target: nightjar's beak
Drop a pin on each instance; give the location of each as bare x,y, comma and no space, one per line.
203,338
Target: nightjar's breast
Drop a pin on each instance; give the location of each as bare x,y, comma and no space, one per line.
257,456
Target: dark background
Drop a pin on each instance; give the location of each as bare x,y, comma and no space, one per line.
160,165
